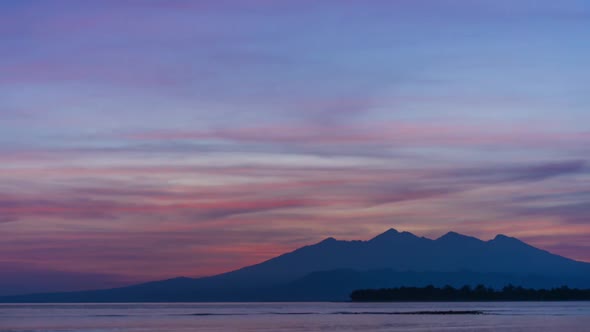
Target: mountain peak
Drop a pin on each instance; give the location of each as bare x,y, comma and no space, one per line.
509,242
392,234
328,240
455,236
451,235
391,231
507,239
388,234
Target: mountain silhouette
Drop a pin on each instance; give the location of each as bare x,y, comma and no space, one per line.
331,269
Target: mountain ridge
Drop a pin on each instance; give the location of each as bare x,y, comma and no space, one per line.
389,259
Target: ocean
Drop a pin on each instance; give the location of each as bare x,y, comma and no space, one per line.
345,316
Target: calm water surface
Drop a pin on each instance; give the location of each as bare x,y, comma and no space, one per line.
149,317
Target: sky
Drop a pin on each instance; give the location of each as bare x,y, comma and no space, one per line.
143,140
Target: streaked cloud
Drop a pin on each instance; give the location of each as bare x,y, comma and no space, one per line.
139,134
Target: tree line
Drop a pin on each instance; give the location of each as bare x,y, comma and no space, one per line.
467,293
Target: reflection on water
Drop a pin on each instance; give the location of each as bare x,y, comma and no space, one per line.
147,317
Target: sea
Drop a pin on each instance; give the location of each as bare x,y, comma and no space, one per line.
342,316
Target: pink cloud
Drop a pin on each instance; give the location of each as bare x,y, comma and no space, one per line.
85,209
398,134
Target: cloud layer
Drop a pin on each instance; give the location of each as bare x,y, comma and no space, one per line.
142,141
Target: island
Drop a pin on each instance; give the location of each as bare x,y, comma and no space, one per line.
468,293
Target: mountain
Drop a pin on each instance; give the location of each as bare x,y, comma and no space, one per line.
331,269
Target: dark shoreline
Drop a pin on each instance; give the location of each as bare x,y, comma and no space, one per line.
467,294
